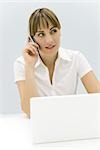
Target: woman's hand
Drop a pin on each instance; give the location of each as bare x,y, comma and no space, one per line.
30,52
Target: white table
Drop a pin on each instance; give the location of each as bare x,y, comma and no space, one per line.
15,133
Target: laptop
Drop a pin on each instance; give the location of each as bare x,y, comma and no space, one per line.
64,118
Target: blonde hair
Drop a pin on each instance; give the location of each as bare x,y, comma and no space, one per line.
42,17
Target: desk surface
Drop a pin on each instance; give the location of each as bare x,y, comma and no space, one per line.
15,133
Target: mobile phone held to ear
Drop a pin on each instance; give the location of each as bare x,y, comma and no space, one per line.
31,38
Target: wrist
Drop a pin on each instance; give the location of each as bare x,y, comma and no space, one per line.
29,71
29,66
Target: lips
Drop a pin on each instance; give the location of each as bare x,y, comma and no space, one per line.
50,47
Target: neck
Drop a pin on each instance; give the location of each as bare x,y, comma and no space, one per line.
49,60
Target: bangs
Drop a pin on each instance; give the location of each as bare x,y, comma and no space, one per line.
41,20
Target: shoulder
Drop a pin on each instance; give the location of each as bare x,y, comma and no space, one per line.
19,63
19,60
19,69
69,53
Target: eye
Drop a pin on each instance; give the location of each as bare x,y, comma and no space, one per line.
41,34
54,31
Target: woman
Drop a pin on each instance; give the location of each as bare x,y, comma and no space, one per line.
46,69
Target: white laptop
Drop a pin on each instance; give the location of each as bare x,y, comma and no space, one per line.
62,118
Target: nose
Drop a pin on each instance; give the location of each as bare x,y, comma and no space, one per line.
49,40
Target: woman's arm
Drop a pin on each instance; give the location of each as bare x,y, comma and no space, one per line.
90,82
27,89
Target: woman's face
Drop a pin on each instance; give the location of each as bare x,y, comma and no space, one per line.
48,39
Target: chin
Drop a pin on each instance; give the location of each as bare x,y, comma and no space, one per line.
53,52
49,52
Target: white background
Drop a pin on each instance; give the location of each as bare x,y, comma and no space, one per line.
80,31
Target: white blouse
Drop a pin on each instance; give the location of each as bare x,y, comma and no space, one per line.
70,65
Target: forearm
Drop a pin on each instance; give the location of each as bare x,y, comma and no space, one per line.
98,87
30,88
91,83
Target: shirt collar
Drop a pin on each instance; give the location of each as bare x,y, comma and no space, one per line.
62,54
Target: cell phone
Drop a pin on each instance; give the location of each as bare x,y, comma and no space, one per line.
32,39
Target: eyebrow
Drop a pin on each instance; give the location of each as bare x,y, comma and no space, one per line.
40,31
50,29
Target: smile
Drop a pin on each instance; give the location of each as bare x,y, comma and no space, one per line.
50,47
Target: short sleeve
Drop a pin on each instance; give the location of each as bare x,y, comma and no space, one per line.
19,70
83,66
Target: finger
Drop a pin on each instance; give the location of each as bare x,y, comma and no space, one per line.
32,42
29,51
34,45
34,48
